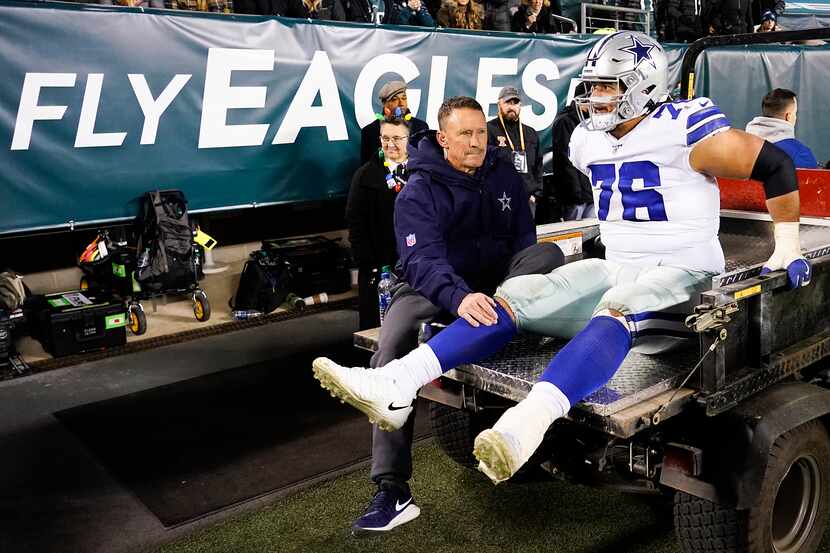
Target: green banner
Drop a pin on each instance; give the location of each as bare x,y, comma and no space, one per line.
739,77
98,105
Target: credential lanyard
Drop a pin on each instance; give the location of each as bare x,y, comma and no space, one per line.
507,134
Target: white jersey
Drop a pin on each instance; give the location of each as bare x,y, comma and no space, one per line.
653,208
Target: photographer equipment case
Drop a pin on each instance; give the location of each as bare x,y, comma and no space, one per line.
77,322
317,263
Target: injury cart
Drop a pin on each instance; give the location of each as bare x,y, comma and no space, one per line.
735,423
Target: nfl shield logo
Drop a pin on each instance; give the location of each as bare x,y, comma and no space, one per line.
410,240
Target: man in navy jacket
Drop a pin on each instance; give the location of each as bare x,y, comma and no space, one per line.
462,226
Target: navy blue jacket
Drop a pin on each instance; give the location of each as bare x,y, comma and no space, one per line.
457,232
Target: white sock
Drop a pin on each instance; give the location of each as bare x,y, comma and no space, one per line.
415,369
550,398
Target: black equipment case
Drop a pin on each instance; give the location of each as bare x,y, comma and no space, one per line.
317,263
77,322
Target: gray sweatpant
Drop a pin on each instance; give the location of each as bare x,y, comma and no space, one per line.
392,451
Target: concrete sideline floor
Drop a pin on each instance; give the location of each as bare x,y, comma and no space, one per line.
56,497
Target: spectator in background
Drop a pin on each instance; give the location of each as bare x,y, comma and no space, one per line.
518,143
133,3
497,15
392,97
677,21
533,16
760,7
358,11
768,23
256,7
331,10
460,14
410,12
369,211
216,6
777,125
726,17
571,187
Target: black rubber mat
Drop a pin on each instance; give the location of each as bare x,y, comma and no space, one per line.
194,447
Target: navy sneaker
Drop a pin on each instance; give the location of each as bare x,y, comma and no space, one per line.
391,506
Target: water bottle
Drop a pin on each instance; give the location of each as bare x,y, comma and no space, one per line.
316,299
384,291
245,314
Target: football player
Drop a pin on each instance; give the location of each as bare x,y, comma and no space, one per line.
652,163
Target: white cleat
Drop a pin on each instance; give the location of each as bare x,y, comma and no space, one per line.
503,449
374,394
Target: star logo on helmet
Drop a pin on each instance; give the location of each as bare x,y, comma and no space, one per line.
641,51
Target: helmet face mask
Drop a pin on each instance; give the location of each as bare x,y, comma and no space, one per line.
598,111
636,65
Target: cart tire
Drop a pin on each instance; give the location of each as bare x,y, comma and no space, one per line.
455,430
84,284
138,320
790,515
201,306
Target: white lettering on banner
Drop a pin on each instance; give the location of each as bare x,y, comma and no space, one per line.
220,96
28,110
86,136
539,93
154,108
486,93
437,84
301,113
364,111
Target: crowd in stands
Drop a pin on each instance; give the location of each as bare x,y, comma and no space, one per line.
530,16
674,20
689,20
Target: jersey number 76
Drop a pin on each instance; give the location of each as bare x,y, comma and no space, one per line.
604,175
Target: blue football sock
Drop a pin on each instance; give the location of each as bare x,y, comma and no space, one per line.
462,343
590,359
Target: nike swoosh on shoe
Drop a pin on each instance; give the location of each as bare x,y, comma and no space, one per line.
399,507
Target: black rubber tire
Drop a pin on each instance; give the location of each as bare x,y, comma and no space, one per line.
455,431
702,526
201,307
137,319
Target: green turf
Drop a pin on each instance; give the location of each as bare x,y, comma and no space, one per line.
461,511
